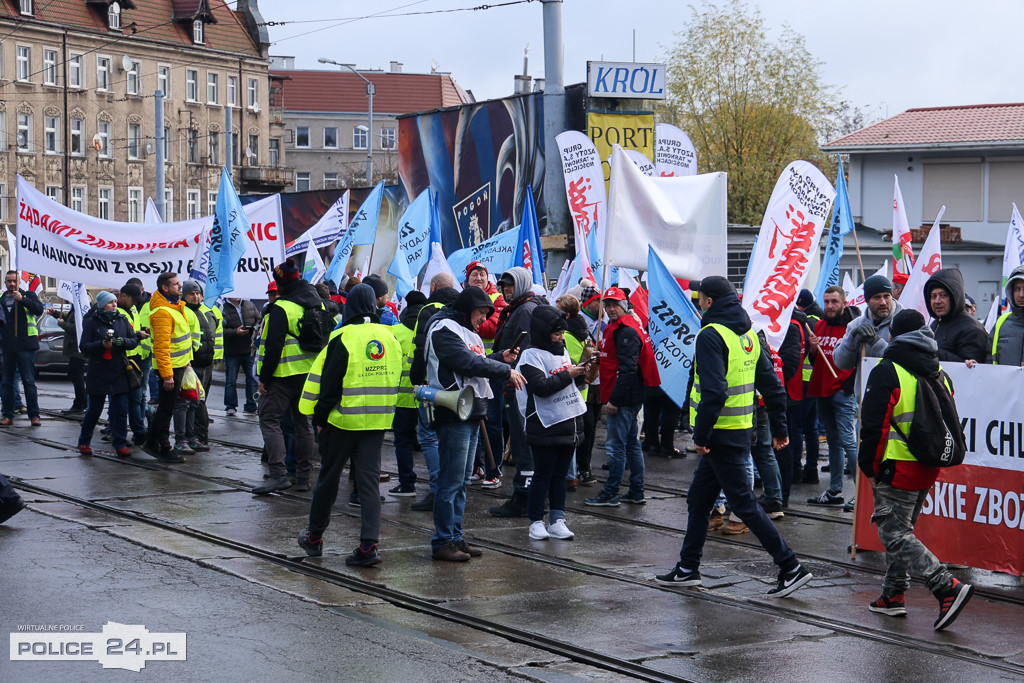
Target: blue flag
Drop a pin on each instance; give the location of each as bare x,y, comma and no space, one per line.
362,230
497,254
673,326
528,252
414,230
228,241
842,223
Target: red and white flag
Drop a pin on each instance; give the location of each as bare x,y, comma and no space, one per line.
902,250
930,261
584,189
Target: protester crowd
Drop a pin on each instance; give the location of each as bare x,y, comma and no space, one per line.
328,372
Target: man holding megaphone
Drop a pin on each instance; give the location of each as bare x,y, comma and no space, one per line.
455,360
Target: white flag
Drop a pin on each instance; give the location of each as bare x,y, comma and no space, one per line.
849,288
1013,252
152,215
12,249
902,250
437,264
588,204
563,284
993,316
856,297
645,165
76,294
313,266
674,153
929,261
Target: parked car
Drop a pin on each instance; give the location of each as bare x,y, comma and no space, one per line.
50,357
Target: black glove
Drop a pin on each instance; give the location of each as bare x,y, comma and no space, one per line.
119,342
865,334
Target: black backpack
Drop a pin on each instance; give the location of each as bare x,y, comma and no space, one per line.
936,437
315,327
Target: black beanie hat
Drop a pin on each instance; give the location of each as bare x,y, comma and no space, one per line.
286,272
805,299
876,284
715,287
415,298
907,320
380,288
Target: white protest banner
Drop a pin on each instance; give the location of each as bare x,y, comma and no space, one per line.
855,296
328,229
12,249
928,261
645,165
683,218
54,240
674,154
584,189
76,294
790,232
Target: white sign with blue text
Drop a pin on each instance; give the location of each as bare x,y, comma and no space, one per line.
626,80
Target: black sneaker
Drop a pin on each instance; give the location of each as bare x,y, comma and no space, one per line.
603,499
952,601
513,507
8,510
403,491
829,497
634,497
790,581
312,548
302,485
587,478
364,558
893,606
810,476
425,505
680,576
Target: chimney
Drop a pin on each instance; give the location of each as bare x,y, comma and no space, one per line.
522,84
538,85
396,67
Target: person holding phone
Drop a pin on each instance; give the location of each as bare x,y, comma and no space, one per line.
240,318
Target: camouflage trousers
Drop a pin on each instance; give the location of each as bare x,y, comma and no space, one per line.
896,513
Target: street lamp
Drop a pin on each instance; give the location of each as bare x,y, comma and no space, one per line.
370,90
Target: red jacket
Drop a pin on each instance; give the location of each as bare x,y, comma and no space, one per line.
822,384
490,326
644,362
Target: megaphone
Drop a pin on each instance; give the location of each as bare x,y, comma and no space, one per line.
459,402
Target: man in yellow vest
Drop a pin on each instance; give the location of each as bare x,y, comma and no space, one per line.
128,302
729,365
351,391
1007,339
901,483
20,340
282,368
172,353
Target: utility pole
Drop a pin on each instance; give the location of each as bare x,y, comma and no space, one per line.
66,190
554,121
161,194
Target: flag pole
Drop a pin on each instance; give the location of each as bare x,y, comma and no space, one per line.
263,264
856,243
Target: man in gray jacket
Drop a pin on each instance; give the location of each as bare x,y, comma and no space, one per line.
1006,343
871,330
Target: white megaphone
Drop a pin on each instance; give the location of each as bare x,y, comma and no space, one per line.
459,402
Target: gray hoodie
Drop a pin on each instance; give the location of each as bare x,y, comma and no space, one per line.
1009,347
847,355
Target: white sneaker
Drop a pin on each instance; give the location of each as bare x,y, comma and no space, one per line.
538,532
560,530
230,411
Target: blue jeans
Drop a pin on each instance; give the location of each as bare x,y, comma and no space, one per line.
406,422
137,403
724,468
118,418
622,443
456,446
764,457
232,364
428,442
154,382
839,413
25,363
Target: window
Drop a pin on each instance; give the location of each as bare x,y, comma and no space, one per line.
24,58
104,198
3,130
78,137
103,73
191,85
50,67
53,192
193,146
131,83
254,93
232,91
331,137
213,149
211,202
24,132
134,141
197,31
52,125
275,152
26,6
236,153
254,149
330,181
3,201
212,88
163,80
302,136
359,137
103,132
389,138
301,181
167,143
78,198
169,205
134,204
957,184
114,16
192,204
74,67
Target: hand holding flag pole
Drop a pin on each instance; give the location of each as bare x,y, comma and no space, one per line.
828,363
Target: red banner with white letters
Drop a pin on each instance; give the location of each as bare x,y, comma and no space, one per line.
974,514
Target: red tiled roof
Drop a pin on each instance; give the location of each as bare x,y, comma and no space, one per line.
938,126
154,20
395,93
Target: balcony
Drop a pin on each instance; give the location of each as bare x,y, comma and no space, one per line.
265,178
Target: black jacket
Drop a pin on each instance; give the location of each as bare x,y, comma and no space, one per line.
454,357
813,313
959,336
299,292
15,333
67,323
418,369
790,350
106,375
203,356
548,319
516,320
239,344
629,387
360,308
711,358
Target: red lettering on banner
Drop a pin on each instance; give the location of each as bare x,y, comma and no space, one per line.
527,261
668,174
934,264
780,289
263,232
579,206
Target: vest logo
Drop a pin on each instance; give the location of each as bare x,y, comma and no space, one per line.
747,342
374,350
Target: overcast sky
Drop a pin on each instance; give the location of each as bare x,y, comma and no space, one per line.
887,56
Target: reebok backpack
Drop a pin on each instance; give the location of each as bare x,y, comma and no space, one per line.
936,437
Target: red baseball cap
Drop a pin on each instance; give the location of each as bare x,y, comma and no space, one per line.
614,294
473,265
272,287
900,278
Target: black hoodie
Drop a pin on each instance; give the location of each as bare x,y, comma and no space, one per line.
711,358
545,320
361,307
455,358
959,336
299,292
439,299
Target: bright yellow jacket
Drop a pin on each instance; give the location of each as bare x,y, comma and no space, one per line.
162,323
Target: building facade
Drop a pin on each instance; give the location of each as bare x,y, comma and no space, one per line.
326,114
77,112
